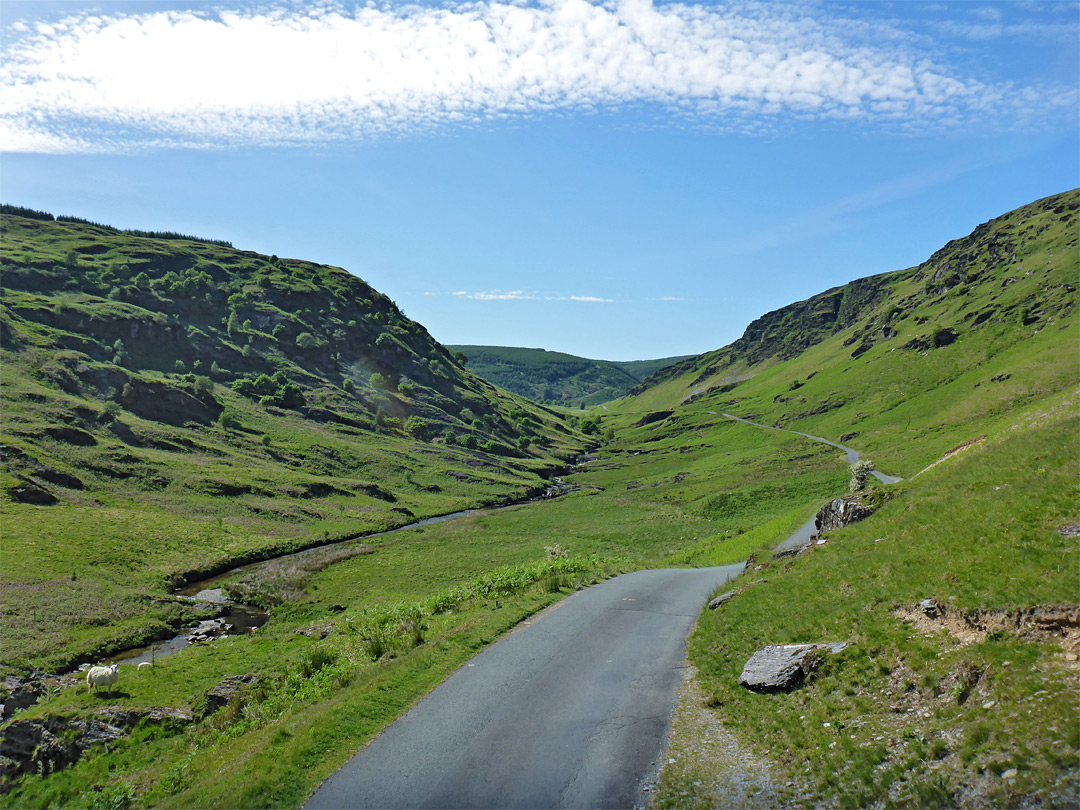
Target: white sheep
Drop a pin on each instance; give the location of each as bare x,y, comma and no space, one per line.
102,676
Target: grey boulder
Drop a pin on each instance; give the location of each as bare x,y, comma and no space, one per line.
783,667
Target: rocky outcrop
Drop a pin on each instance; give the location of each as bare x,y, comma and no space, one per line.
220,695
160,402
784,667
21,693
841,512
47,744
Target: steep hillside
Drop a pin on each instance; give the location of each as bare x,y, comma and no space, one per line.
229,405
985,321
557,378
957,595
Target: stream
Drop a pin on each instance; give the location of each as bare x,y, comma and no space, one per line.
233,618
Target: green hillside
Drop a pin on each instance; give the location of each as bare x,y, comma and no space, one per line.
958,595
960,375
229,405
556,378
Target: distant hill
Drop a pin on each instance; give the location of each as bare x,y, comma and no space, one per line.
556,378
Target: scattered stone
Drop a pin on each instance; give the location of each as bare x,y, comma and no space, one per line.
1070,530
220,695
931,608
719,600
1009,774
783,667
209,629
316,631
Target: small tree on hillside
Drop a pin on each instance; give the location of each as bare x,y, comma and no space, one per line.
860,471
416,427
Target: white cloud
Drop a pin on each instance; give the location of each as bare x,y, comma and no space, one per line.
282,76
499,295
521,295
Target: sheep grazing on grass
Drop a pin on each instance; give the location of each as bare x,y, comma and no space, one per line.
102,676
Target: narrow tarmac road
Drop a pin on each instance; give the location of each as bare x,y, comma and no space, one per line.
569,710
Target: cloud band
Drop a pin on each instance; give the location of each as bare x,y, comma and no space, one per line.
281,76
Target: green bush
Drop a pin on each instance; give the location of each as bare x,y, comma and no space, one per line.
417,427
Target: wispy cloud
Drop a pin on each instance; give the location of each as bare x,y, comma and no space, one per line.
279,75
499,295
521,295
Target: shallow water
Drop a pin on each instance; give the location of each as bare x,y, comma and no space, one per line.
248,618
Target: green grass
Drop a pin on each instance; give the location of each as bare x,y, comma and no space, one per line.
905,728
1000,550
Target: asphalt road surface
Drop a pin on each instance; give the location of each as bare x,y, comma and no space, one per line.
569,710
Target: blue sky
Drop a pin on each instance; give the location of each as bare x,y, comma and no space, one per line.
621,180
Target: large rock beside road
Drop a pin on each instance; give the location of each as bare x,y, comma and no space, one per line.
783,667
842,511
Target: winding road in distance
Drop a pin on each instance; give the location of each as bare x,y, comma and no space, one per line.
569,710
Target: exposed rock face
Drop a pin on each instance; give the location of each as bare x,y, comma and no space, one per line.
166,403
29,492
71,435
48,744
649,418
221,694
842,511
23,692
783,667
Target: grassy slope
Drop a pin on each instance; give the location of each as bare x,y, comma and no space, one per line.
884,723
694,488
557,377
141,501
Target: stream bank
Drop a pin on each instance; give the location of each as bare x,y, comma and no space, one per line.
235,618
